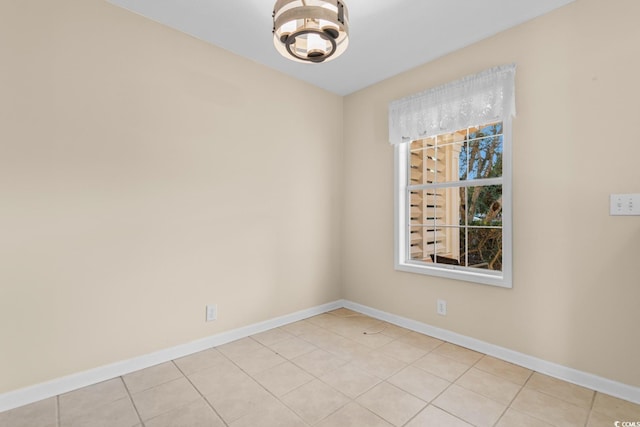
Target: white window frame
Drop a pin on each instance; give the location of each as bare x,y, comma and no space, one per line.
403,260
402,256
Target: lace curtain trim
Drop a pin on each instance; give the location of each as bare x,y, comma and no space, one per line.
481,98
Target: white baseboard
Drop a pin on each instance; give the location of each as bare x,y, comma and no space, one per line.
585,379
21,397
14,399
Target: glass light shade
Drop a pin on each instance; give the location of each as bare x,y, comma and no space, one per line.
310,31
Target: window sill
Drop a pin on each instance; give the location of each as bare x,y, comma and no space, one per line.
456,273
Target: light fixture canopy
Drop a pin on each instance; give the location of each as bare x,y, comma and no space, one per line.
310,31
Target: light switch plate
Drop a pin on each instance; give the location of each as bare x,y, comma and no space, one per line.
624,204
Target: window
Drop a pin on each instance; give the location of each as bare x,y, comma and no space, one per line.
453,204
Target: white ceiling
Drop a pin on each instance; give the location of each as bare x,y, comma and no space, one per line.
387,37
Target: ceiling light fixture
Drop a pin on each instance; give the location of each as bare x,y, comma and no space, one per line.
310,30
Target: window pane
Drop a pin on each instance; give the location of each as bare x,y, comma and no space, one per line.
421,162
436,244
483,248
427,207
449,161
421,144
418,207
423,241
435,166
484,158
485,130
481,156
448,248
463,166
450,205
447,155
417,214
437,160
484,206
449,138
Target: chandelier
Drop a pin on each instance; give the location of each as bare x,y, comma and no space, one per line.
310,30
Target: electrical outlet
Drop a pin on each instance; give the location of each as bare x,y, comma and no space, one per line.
441,308
212,312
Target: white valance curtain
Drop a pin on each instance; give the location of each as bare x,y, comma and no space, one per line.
473,100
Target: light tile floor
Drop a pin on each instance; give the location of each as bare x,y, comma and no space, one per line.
338,369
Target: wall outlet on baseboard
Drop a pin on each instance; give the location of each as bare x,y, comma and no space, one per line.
212,312
441,307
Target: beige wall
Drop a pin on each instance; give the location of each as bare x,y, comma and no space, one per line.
143,174
576,277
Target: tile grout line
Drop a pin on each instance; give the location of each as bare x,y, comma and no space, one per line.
132,401
513,398
345,317
593,402
508,405
506,408
349,398
446,388
412,395
302,385
518,394
429,403
542,391
200,393
258,382
298,387
440,409
58,420
369,410
461,386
